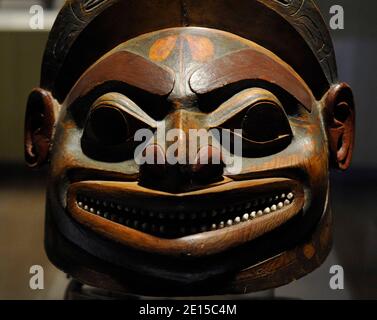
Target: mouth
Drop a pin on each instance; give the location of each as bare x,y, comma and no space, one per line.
197,223
180,224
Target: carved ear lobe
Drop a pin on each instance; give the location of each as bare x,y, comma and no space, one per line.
340,125
39,126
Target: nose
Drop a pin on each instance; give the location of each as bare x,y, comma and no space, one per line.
184,167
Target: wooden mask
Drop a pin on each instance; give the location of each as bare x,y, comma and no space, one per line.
263,68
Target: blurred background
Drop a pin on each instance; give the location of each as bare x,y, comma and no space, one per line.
22,191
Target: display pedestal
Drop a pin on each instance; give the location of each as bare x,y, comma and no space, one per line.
78,291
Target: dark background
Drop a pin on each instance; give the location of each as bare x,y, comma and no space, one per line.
354,193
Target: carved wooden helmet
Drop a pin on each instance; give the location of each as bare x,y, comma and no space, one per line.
266,67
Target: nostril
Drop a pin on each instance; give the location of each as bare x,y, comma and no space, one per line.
154,154
208,155
154,167
209,165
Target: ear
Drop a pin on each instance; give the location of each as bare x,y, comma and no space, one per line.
340,125
40,119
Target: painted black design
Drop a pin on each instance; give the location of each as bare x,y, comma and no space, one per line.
301,15
89,5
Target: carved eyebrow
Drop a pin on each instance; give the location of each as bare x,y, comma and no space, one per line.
239,102
122,102
127,67
250,64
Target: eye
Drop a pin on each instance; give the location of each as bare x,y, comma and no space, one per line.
265,122
108,134
107,125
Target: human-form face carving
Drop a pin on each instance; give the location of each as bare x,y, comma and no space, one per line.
189,78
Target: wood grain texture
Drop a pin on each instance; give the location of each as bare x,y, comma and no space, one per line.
250,65
266,67
298,23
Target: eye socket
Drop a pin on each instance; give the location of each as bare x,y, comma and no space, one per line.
108,126
108,135
265,122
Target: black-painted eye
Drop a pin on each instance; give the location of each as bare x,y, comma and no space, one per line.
265,122
108,135
107,126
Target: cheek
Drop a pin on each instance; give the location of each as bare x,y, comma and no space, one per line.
67,155
66,152
312,145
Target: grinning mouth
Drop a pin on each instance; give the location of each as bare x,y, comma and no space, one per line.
176,224
193,224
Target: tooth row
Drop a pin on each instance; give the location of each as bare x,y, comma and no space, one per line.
106,205
254,214
89,205
142,226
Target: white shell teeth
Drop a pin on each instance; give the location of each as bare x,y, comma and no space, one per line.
231,216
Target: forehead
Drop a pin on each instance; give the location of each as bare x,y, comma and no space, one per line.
184,46
188,61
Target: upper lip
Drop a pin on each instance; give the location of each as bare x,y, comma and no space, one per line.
153,207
